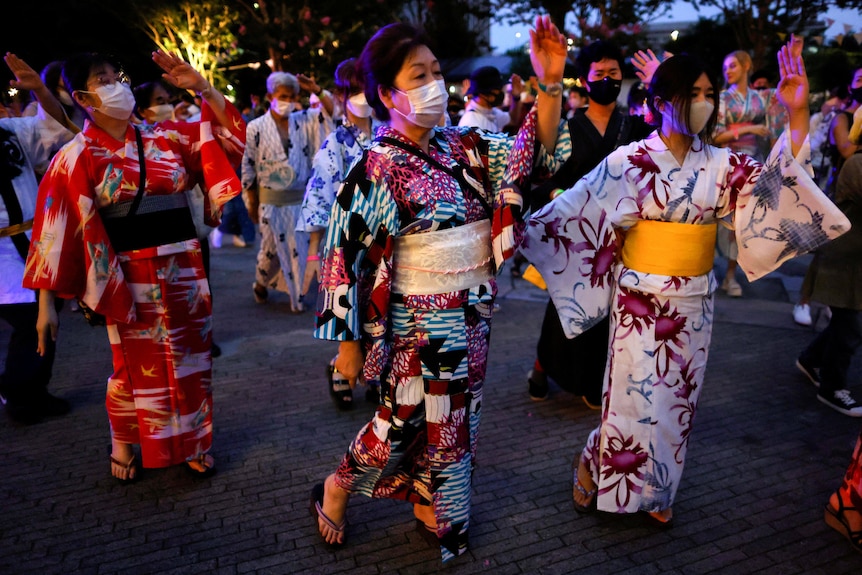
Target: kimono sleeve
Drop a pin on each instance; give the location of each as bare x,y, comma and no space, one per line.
574,245
326,174
780,212
69,252
354,275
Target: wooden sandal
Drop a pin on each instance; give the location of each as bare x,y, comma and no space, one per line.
591,494
204,460
339,388
835,519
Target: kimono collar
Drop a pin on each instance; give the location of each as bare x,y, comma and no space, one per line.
104,139
657,148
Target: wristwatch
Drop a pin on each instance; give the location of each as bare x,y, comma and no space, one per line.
552,90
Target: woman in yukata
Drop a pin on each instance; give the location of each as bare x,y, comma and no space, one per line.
635,238
422,223
749,121
113,228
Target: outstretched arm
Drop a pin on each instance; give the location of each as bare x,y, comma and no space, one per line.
646,63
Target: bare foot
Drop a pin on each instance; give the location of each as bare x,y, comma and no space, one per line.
122,455
583,499
425,514
335,507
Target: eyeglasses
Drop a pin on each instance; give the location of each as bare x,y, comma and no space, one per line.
108,80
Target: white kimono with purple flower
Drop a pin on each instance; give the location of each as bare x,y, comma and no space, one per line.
661,325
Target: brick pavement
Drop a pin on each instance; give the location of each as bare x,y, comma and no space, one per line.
764,457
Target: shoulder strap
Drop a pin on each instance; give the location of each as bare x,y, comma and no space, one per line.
457,174
142,180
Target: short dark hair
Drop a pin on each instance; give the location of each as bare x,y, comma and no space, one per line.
144,95
596,52
673,81
382,58
51,75
348,80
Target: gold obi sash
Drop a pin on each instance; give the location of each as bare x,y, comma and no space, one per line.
443,261
669,248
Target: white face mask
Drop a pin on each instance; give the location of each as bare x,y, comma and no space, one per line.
64,97
161,113
359,106
427,104
117,100
281,107
698,116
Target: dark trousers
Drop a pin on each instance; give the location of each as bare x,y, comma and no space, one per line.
576,365
235,220
26,373
833,349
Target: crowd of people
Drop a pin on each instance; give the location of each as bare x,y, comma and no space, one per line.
390,212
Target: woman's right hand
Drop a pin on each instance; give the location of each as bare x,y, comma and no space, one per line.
350,360
47,322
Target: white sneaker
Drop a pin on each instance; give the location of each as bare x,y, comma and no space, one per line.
802,314
215,238
239,242
731,286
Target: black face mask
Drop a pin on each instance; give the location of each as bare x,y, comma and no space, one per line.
605,91
856,94
495,98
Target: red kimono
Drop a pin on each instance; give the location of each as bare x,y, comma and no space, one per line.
156,299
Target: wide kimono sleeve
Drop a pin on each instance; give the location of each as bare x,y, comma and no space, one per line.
327,171
353,302
574,243
777,210
69,252
250,155
512,162
221,151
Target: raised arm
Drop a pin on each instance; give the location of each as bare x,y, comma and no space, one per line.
548,56
26,78
792,91
181,74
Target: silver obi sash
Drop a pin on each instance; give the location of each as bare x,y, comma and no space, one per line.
443,261
273,197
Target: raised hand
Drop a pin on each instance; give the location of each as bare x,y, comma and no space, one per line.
792,90
548,50
179,73
646,63
26,78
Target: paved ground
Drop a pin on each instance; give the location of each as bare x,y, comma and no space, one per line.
763,459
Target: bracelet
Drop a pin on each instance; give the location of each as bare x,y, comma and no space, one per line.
314,258
206,91
556,193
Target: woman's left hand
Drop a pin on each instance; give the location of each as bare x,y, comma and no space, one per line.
179,73
26,78
548,50
792,90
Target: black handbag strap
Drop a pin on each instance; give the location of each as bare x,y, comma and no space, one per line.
457,174
142,181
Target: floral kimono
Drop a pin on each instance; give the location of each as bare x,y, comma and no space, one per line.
661,324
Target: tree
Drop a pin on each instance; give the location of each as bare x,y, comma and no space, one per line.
756,24
201,31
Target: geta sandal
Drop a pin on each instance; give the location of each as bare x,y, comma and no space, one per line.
835,519
339,388
591,495
205,461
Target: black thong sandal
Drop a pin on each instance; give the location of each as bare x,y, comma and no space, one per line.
339,388
835,519
428,533
130,468
316,509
